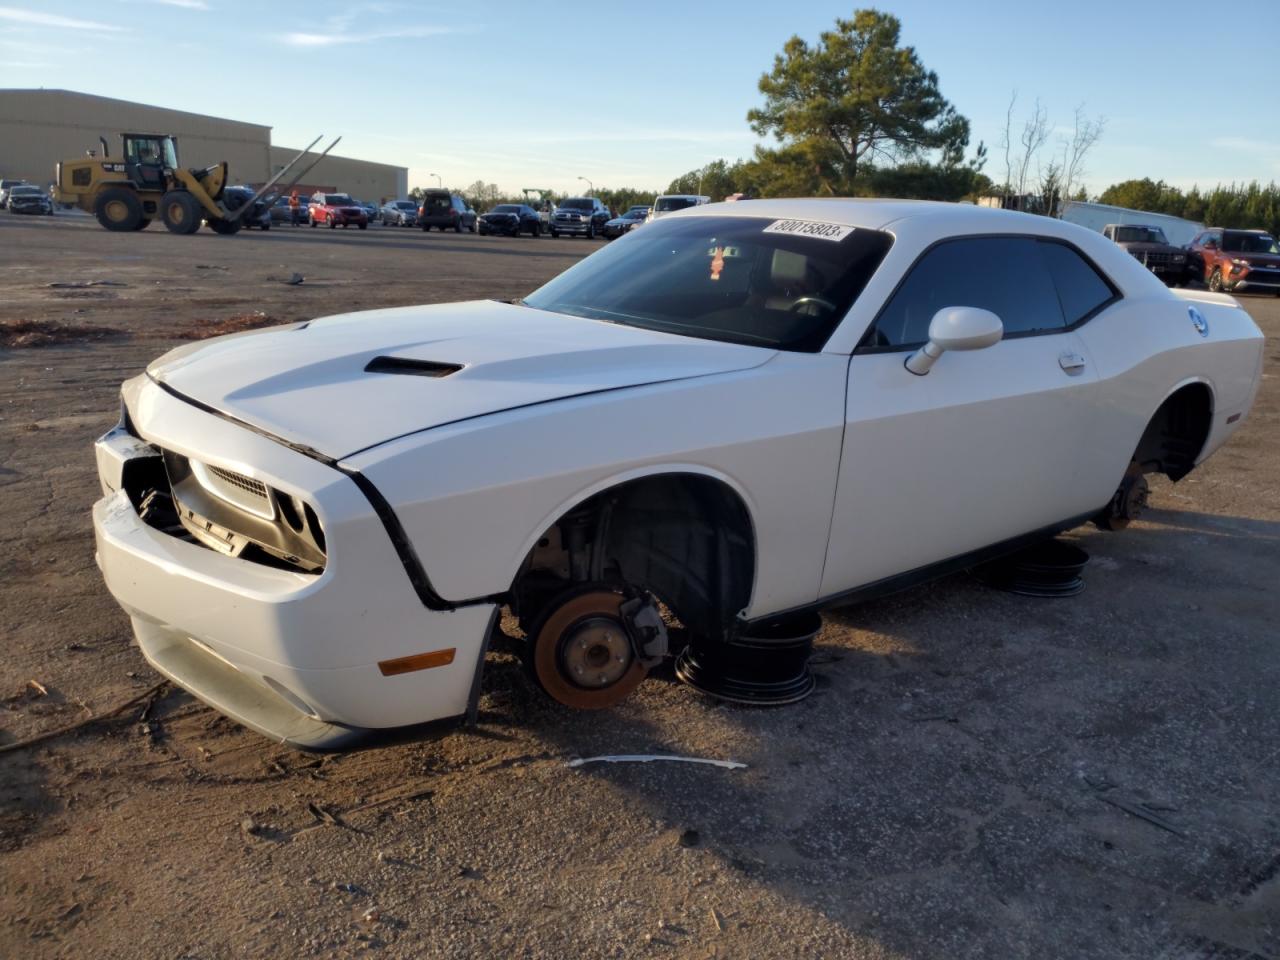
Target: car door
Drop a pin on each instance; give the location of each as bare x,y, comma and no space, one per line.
985,446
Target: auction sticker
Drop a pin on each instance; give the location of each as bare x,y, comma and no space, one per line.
810,228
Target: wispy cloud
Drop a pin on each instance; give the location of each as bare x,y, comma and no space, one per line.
184,4
1244,144
342,36
35,18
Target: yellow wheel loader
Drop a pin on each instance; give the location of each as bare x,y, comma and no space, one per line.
146,181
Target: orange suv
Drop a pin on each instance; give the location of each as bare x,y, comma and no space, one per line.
1241,261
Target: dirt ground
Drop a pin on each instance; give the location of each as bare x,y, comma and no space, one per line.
977,775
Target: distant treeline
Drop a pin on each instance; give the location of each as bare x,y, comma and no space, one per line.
1251,206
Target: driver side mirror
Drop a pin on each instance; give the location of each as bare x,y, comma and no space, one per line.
955,328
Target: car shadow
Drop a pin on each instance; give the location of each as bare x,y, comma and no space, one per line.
967,755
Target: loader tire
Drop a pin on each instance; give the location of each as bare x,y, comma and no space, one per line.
180,212
118,209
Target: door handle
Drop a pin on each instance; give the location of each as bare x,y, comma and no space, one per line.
1071,363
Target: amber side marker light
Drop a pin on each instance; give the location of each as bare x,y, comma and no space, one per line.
419,661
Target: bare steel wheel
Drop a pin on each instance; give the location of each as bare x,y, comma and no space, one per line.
581,654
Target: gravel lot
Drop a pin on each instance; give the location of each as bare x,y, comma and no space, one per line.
976,775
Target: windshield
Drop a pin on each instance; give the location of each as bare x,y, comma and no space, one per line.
667,204
337,199
740,279
26,191
1140,235
406,205
1249,243
505,208
576,203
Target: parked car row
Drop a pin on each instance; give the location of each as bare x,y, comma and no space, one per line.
1236,261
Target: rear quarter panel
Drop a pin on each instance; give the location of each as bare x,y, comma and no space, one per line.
1146,347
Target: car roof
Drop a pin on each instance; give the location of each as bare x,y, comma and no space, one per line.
879,214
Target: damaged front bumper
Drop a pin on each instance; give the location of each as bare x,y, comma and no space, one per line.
301,657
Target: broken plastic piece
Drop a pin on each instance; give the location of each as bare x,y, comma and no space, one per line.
649,757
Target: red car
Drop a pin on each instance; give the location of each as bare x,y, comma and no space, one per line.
337,210
1242,261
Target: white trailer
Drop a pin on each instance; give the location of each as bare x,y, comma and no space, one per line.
1096,216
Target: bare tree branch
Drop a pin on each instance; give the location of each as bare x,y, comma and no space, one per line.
1034,134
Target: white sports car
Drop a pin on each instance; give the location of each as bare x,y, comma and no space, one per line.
740,411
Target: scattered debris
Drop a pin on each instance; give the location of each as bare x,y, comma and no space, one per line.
1142,812
649,757
16,334
211,266
84,284
51,734
204,329
248,827
38,687
294,280
372,915
717,919
690,838
324,816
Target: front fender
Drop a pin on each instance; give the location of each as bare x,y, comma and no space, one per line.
474,496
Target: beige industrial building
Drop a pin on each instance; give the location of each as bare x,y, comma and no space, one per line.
40,127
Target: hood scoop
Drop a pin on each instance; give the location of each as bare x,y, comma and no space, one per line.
410,367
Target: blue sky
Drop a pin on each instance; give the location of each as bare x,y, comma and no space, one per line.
536,94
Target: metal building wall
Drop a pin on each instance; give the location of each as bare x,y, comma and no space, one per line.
360,178
40,127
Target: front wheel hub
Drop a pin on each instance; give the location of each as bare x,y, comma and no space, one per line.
596,653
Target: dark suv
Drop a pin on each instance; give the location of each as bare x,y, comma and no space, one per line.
1150,246
1236,260
580,217
446,211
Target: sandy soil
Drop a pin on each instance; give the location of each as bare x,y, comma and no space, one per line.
962,784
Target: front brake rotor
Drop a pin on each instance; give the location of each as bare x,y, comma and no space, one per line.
582,655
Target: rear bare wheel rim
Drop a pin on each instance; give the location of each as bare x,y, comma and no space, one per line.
117,211
177,213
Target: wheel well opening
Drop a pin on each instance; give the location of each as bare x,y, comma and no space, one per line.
1177,433
685,538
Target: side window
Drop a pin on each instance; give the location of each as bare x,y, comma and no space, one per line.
1006,275
1080,289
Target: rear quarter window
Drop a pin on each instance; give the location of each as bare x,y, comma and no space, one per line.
1081,289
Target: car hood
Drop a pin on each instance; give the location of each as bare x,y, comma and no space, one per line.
307,383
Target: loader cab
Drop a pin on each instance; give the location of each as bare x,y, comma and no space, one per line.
146,158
